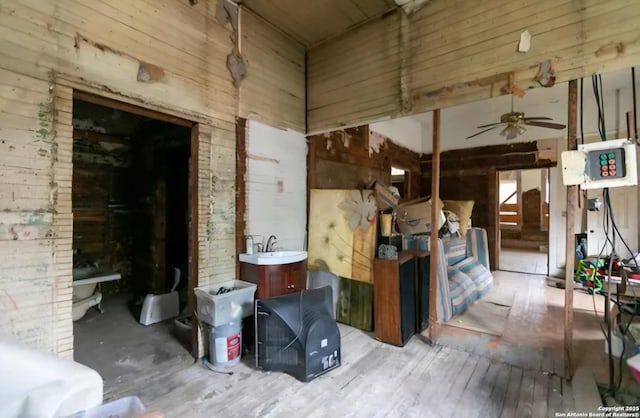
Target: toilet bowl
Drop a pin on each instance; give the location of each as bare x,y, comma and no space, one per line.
157,308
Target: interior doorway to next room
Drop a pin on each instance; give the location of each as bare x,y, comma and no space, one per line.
524,221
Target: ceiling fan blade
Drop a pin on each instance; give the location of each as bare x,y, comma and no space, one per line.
481,132
538,118
546,124
488,125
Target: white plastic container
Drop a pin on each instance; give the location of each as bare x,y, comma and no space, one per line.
128,407
217,310
225,344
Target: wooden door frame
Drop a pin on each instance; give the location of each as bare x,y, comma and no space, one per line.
80,93
498,244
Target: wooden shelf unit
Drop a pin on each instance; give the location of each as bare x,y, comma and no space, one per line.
400,296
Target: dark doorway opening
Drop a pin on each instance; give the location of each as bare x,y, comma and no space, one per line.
132,194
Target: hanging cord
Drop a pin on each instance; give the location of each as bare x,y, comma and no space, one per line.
584,191
635,104
596,81
582,111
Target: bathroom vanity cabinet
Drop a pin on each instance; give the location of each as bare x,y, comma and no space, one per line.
275,280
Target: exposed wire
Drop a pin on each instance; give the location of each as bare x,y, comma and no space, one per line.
596,81
635,105
582,111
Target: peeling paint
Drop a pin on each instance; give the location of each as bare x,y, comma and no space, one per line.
261,158
614,48
546,76
376,142
237,68
36,218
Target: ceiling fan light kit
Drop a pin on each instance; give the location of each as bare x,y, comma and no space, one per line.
515,123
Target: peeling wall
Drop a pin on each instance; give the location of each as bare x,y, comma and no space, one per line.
457,51
167,55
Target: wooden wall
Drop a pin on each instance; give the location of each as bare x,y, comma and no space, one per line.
354,158
457,51
471,174
50,47
102,232
274,91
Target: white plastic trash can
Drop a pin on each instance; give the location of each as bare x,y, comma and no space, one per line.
225,343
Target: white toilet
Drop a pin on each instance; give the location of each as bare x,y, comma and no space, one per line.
157,308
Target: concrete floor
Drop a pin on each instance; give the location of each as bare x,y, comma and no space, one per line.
524,261
119,348
518,374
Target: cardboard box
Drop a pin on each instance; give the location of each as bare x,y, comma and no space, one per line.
384,198
414,217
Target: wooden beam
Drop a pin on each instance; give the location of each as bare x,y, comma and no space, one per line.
493,213
241,189
433,246
193,234
572,205
126,107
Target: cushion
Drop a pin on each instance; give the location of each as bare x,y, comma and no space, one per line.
463,209
443,297
477,246
481,277
455,249
462,290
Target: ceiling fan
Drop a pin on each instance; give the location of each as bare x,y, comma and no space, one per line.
515,123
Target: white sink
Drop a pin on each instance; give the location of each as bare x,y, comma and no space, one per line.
274,257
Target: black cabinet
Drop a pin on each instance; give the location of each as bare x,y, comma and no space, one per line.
394,294
401,296
422,303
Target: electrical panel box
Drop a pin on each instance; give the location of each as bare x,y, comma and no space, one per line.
601,164
606,163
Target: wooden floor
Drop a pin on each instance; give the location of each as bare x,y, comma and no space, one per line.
374,380
465,374
524,261
534,334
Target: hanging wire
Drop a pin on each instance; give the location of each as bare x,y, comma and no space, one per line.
635,105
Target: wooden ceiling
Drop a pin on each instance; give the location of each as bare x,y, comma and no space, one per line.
313,21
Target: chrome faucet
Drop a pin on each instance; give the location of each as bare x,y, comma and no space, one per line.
269,247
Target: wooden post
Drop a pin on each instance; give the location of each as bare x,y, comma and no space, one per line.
572,205
194,250
493,213
433,246
241,189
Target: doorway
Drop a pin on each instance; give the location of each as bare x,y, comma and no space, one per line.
401,179
133,220
524,221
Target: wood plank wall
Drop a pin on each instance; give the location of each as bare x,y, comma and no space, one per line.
50,47
456,51
469,175
100,177
343,160
274,91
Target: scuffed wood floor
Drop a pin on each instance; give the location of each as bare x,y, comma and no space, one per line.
374,380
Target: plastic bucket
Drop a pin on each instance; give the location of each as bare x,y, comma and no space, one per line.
225,344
